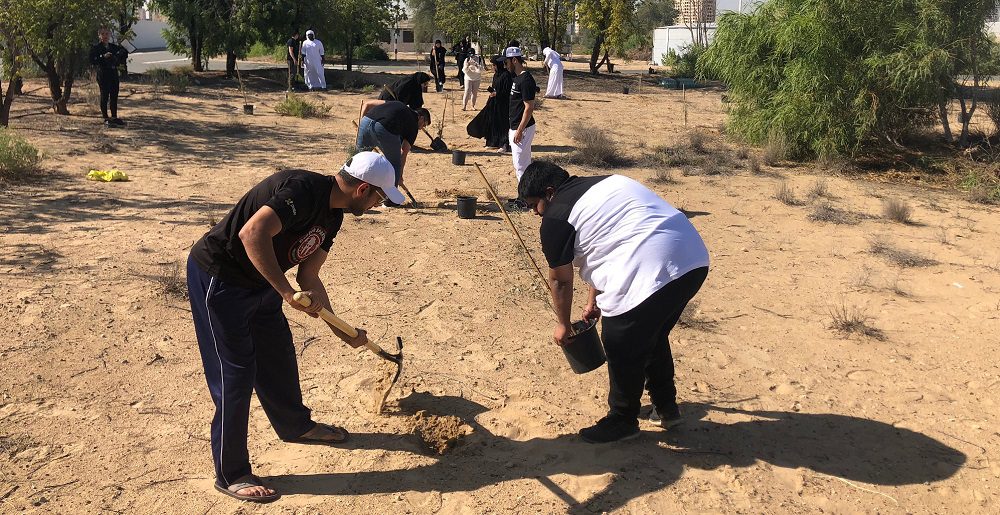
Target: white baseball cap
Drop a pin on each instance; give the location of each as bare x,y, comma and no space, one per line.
310,33
512,51
375,169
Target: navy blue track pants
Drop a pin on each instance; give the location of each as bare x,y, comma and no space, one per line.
245,345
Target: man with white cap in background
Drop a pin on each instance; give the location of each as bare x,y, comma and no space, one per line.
237,286
312,62
522,105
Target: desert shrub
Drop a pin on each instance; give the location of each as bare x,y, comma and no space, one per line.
827,213
595,147
754,167
786,194
853,320
881,246
775,150
981,186
273,52
172,282
670,156
896,210
176,79
368,88
662,176
178,83
833,77
17,156
295,105
819,189
684,63
370,53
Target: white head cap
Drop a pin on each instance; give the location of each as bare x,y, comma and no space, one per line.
310,33
375,169
512,52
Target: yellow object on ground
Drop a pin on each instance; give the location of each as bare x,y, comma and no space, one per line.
107,175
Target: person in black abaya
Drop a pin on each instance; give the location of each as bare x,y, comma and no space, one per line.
500,95
408,90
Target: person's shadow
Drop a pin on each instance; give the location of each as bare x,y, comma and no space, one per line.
848,447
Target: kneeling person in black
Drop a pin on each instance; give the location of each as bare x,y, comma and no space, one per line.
392,127
237,286
106,56
643,261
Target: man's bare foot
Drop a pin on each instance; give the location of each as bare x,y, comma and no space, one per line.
249,488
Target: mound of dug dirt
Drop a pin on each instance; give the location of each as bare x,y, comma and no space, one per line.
439,434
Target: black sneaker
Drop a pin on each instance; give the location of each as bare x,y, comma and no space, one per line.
672,419
389,203
610,429
118,121
108,122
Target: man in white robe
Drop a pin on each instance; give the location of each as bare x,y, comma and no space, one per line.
312,62
554,89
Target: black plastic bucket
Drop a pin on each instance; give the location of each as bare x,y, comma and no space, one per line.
466,207
247,108
585,352
457,157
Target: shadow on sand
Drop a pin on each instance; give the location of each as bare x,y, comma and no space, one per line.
848,447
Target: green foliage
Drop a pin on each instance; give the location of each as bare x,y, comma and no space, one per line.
272,52
295,105
832,77
494,21
176,79
609,22
17,156
371,53
684,64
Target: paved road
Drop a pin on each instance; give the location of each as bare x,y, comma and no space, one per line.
140,62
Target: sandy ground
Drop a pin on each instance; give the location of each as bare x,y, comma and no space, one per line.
105,409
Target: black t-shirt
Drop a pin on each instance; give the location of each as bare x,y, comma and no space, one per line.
294,45
302,201
398,118
522,89
408,90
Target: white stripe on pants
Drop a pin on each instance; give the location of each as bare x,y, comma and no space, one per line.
521,153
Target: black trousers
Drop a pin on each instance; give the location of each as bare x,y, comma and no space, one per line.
293,72
245,345
107,81
638,348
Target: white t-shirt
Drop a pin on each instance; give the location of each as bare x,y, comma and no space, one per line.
627,241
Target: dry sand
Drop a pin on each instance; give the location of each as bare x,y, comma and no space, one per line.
104,406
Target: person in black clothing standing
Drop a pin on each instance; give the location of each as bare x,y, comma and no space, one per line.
106,56
437,64
462,49
293,59
522,105
500,94
408,90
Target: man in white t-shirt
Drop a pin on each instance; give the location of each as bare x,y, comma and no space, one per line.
644,262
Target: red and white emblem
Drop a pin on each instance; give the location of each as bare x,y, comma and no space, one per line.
306,245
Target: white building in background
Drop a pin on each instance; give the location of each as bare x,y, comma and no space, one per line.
678,37
148,30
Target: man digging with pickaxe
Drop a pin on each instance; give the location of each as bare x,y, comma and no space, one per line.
236,281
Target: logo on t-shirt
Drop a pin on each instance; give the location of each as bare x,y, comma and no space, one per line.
306,245
292,206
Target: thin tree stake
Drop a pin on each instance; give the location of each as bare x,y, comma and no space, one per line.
863,489
493,194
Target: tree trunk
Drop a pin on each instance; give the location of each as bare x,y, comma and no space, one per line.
349,50
195,40
967,112
67,89
943,114
595,53
230,64
8,99
55,87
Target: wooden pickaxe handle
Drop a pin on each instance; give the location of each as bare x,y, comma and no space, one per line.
336,321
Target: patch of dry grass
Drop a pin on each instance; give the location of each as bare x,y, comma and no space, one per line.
172,282
661,176
897,211
853,320
692,318
881,246
595,147
826,212
786,194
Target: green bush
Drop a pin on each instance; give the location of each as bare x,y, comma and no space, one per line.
175,79
685,63
370,53
17,156
273,52
834,78
295,105
178,84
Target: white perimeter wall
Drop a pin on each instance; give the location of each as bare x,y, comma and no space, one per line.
674,38
149,35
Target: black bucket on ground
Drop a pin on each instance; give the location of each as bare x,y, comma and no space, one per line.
457,157
247,108
585,352
466,207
